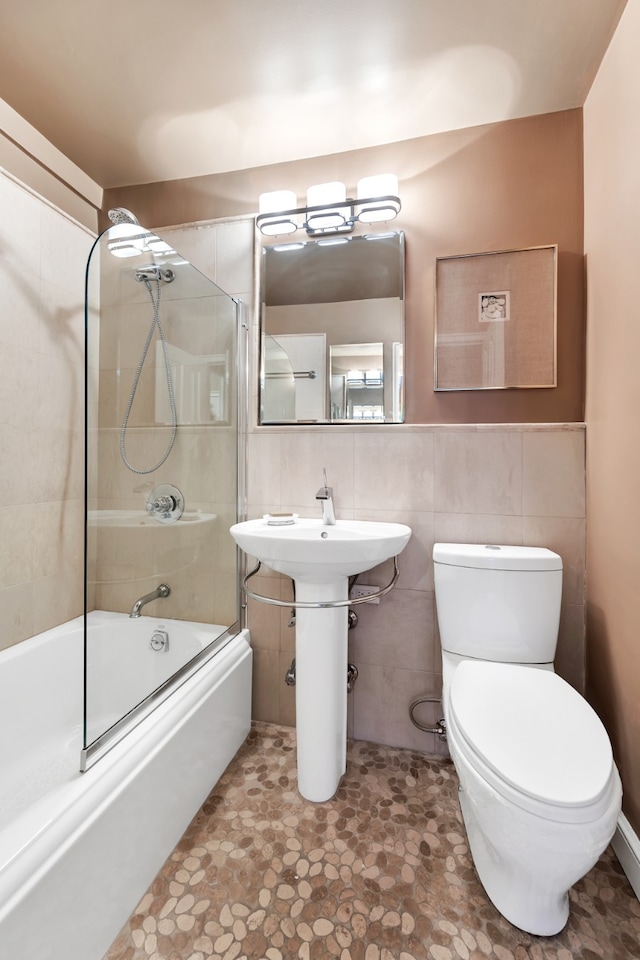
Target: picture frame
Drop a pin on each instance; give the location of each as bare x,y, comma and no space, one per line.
496,320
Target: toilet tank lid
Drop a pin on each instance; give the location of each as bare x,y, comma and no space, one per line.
533,730
493,556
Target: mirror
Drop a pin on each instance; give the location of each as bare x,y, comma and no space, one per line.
332,330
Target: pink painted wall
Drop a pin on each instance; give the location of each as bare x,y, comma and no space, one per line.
501,186
612,242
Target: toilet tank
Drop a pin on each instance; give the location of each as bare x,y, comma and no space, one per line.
498,602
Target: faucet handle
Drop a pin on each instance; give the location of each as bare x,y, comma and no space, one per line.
324,477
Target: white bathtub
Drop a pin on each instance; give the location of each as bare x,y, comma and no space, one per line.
77,851
123,669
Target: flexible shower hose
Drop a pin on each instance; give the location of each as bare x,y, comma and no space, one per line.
155,300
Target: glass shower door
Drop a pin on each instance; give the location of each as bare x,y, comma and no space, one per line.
162,589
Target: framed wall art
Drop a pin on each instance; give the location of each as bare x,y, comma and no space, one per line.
495,322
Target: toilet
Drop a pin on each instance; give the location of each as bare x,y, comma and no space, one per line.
539,790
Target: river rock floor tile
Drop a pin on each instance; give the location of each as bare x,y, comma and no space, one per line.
381,872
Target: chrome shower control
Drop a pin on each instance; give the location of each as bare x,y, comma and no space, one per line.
165,503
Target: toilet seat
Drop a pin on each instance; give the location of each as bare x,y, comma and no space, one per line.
533,738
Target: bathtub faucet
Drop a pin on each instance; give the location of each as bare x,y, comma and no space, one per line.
162,591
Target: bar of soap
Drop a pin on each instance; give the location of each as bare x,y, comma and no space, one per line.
280,519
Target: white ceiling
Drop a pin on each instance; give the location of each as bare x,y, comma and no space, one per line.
136,91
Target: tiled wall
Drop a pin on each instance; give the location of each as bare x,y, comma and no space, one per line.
501,484
198,561
42,261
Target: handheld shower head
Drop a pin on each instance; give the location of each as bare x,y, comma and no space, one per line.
122,215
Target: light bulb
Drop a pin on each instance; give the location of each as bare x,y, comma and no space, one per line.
324,194
381,185
275,202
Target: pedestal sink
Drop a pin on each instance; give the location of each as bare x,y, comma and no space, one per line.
321,558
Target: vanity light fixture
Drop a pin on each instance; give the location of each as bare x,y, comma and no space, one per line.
364,378
331,241
329,210
126,240
131,240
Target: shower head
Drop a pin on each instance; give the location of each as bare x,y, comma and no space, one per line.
122,215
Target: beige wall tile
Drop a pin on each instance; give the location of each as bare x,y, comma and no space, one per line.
191,592
119,591
478,472
18,615
393,471
20,232
18,554
196,245
60,393
397,632
63,252
58,598
18,463
203,465
61,332
264,456
18,386
553,474
567,538
265,704
416,567
59,527
123,331
303,457
19,303
263,619
234,255
477,528
382,696
59,472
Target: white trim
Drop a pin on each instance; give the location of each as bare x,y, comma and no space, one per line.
203,224
18,129
626,846
34,193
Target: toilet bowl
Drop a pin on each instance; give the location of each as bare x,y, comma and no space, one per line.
539,790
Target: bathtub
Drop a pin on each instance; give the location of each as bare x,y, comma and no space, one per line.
77,851
122,667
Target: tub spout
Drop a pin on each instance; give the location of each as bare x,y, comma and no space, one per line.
162,591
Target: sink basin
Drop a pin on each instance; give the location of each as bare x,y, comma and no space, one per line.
311,551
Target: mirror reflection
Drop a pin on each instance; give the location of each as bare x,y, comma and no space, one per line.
332,324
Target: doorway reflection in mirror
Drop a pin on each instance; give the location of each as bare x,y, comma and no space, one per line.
332,324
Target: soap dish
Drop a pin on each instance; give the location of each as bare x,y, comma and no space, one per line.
280,519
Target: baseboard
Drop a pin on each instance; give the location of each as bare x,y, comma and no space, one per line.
626,846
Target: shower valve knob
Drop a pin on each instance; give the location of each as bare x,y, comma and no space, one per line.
165,503
161,505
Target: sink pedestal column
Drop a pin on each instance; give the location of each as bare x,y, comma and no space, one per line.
321,689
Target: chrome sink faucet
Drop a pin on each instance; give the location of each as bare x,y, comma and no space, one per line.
162,591
325,495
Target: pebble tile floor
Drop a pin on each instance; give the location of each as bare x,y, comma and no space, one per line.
381,872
